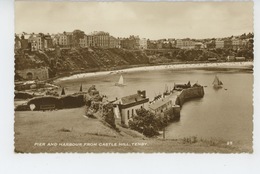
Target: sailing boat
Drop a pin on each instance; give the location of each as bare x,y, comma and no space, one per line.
217,83
120,81
166,92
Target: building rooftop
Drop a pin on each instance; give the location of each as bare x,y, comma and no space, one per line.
99,33
159,103
27,36
69,33
132,99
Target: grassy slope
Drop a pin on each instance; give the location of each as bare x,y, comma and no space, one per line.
69,126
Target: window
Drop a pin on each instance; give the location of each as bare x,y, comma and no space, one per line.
132,112
128,116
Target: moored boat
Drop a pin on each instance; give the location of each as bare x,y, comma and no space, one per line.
217,83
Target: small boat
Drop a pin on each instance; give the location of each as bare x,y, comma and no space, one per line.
217,83
166,92
157,97
120,82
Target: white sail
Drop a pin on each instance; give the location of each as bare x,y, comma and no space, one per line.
121,80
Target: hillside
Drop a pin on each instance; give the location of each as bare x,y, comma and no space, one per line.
68,126
96,59
79,59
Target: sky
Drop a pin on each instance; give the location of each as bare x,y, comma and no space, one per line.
152,20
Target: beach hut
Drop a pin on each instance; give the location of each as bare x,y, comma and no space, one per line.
230,58
212,59
240,59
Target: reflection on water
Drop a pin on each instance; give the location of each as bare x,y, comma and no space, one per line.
225,114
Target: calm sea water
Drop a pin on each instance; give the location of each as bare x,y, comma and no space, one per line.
223,114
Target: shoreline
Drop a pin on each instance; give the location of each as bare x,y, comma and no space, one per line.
159,67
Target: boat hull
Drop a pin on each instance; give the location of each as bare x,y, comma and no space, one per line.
217,86
120,85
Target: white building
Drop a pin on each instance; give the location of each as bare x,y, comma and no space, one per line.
219,44
36,42
114,42
143,43
185,44
83,42
199,45
62,39
127,106
236,43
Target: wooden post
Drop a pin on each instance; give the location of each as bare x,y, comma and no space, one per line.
80,89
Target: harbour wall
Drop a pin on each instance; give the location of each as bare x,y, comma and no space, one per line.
173,114
188,94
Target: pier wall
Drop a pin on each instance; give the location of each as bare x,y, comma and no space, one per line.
173,113
190,93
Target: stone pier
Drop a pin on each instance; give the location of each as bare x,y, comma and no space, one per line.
179,98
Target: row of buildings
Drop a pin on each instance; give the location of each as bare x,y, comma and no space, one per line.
102,39
233,43
74,39
77,38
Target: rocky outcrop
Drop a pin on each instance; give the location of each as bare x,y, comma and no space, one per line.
52,103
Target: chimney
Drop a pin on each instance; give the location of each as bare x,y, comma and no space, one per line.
144,94
141,93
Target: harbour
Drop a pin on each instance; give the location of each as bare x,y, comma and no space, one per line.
216,115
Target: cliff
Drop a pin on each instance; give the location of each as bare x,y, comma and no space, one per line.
76,60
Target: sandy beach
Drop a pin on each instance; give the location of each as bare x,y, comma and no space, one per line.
160,67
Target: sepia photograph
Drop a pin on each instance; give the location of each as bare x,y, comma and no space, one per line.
133,77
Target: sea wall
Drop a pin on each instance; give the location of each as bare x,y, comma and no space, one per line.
188,94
